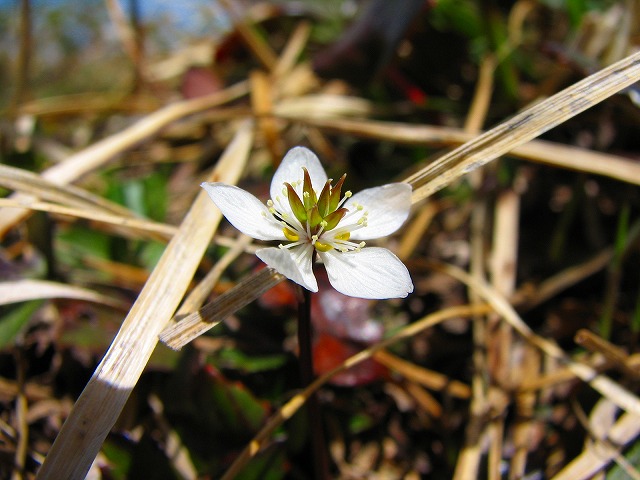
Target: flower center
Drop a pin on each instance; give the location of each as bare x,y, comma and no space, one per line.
319,219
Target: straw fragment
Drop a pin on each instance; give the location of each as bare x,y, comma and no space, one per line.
102,400
23,290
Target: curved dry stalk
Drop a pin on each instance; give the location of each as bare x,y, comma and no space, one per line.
292,406
23,290
30,183
562,280
129,227
102,400
126,224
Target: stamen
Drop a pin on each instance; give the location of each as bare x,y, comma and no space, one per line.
323,224
323,247
347,195
293,236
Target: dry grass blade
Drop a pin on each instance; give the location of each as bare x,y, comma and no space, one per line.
178,334
128,224
105,150
102,400
322,106
539,151
593,460
622,397
563,280
33,184
293,50
525,126
428,378
23,290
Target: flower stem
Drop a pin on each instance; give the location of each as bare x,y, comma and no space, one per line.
317,445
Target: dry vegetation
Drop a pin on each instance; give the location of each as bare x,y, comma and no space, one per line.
139,337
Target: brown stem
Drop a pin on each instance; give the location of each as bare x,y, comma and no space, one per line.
317,444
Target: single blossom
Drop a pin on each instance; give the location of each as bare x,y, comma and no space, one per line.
312,218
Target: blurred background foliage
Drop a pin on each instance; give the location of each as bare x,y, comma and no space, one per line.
70,78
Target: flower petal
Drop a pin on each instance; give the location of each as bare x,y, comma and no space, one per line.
290,170
294,263
388,208
370,273
244,211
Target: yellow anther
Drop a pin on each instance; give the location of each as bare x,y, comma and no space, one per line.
343,236
348,194
291,235
361,245
269,203
322,247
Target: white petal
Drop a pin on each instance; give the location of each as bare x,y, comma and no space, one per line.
290,170
371,273
294,263
244,211
388,208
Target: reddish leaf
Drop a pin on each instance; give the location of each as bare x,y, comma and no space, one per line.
329,352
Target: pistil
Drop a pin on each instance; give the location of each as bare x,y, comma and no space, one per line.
318,219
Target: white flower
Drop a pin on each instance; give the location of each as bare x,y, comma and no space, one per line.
310,214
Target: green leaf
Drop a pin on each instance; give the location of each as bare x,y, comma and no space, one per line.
235,359
151,253
632,456
80,240
119,459
16,320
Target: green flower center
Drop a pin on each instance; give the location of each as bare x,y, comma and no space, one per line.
317,217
